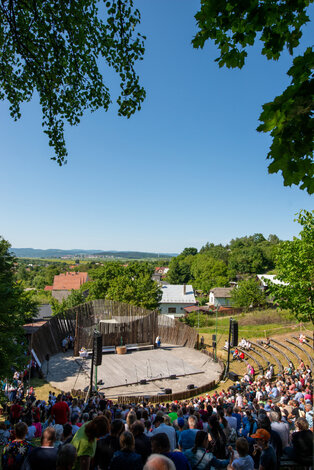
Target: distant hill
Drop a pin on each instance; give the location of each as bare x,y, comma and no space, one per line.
134,254
55,253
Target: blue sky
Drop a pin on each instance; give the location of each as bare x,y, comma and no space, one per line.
187,169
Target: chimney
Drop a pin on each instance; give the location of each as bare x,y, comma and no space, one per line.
184,289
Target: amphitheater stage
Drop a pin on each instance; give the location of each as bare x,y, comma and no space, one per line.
120,374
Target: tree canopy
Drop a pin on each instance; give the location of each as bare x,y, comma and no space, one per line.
132,284
234,26
248,294
58,50
16,307
215,265
295,267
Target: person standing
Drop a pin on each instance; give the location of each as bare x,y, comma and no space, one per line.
16,451
85,440
268,458
44,457
60,412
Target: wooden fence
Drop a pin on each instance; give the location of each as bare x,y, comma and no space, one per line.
175,332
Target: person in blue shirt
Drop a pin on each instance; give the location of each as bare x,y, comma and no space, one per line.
187,437
161,445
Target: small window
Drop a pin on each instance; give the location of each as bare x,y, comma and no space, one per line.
172,310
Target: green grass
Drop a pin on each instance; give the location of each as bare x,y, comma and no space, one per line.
256,324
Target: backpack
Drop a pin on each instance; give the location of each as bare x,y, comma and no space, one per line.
232,438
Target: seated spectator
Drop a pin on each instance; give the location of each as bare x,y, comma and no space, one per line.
161,445
244,461
198,456
302,443
126,458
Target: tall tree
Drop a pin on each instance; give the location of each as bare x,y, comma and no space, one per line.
131,284
16,307
234,26
248,294
295,267
208,272
55,48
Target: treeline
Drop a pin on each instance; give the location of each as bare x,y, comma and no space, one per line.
217,265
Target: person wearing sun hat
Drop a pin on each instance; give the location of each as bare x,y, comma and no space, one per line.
268,458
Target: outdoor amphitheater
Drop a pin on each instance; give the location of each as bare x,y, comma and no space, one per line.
132,367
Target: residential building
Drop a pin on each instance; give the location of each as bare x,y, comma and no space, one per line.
220,296
175,298
64,283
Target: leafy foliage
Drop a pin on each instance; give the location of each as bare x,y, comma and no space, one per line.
16,307
197,319
131,284
208,272
234,26
289,120
76,297
248,294
295,266
56,48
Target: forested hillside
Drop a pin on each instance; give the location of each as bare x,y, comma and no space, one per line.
216,265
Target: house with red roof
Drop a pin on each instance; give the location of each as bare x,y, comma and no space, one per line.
64,283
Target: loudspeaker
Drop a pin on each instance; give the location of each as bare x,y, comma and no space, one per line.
168,391
143,381
190,387
233,376
98,349
234,334
173,377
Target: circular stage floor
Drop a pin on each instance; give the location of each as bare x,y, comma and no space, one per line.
120,375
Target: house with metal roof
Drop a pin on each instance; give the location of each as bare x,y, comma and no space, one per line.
220,296
175,297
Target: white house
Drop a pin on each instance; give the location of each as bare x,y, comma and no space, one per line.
220,296
175,298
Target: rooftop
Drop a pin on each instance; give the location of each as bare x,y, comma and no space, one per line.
222,292
270,277
177,293
69,281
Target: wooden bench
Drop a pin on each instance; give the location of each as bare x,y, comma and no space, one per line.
282,353
259,365
138,347
288,349
279,365
301,349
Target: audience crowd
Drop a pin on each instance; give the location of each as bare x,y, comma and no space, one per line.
255,424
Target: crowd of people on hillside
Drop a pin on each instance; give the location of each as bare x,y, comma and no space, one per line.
253,425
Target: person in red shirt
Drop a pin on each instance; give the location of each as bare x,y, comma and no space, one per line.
15,412
60,411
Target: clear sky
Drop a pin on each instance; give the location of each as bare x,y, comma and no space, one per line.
187,169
